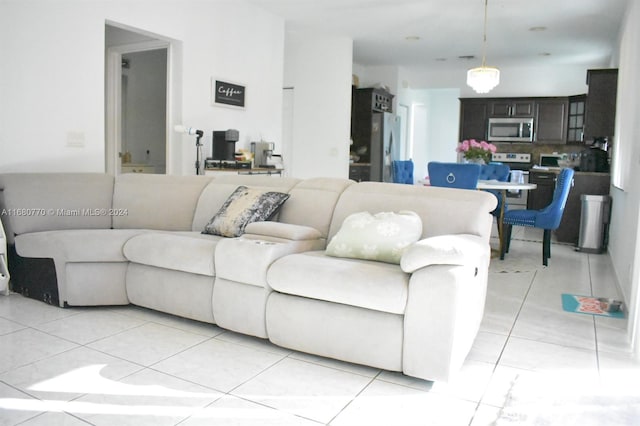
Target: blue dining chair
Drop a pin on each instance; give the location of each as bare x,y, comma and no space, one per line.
403,171
454,175
547,218
499,172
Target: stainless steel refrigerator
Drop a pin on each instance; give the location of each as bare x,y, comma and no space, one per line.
377,144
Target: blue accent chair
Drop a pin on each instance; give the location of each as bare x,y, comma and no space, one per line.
403,171
548,218
454,175
499,172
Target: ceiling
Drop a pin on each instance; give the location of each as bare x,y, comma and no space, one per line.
437,33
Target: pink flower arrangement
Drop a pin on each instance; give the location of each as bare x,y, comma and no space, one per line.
472,150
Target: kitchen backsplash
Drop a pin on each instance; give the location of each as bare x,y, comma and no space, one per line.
536,149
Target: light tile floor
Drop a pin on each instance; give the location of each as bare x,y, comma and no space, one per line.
132,366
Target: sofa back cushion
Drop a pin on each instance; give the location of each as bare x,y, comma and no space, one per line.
35,202
442,210
217,191
312,203
163,202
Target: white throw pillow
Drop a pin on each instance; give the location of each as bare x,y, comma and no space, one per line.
382,237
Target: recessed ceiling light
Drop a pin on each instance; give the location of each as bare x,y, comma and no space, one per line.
538,28
412,38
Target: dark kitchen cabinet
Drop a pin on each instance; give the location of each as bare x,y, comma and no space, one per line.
583,183
512,108
575,122
600,112
473,119
549,114
359,172
541,197
551,120
370,116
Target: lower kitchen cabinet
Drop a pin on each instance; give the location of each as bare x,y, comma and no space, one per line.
583,183
540,197
359,172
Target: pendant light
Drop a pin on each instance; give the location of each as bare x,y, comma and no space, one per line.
482,79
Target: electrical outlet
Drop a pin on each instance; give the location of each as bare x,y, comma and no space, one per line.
75,139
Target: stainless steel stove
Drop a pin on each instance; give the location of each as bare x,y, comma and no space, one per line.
522,163
515,160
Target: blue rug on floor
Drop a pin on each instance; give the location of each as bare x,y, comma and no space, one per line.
586,305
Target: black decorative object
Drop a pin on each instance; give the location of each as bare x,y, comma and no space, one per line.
228,93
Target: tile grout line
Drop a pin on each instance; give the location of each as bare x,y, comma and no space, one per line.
354,398
595,322
506,342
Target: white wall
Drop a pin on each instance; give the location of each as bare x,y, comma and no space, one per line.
319,69
624,244
544,80
435,115
52,75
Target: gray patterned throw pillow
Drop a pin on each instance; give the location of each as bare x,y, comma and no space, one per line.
244,206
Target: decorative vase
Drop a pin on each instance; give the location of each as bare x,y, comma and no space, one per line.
475,161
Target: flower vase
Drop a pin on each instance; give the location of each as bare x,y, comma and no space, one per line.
475,161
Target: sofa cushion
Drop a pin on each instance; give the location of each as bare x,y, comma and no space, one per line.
160,202
443,210
180,251
367,284
77,245
312,203
51,201
218,190
244,206
382,236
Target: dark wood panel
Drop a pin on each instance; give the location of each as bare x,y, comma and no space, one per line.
551,121
601,103
584,183
367,131
473,119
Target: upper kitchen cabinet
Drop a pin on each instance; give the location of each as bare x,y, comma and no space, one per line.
473,119
600,113
551,120
575,122
512,108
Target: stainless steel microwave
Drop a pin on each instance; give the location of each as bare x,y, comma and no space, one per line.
510,130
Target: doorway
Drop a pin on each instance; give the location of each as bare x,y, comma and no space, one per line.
136,102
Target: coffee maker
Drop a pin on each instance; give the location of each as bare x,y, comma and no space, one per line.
224,145
595,158
262,152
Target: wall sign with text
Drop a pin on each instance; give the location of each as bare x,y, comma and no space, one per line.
225,93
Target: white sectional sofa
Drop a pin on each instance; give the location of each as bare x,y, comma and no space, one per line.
104,240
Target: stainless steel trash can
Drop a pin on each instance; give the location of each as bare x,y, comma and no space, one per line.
594,221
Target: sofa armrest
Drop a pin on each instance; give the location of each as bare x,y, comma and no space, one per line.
461,249
234,254
442,318
280,230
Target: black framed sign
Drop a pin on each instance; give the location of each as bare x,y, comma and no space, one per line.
226,93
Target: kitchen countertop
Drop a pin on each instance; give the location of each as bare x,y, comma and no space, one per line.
557,170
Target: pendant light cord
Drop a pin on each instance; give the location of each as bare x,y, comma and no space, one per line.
484,39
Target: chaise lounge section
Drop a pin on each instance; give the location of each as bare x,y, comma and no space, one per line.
82,239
